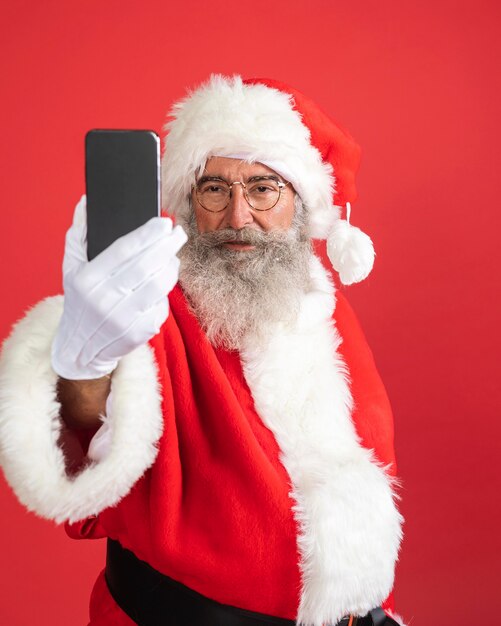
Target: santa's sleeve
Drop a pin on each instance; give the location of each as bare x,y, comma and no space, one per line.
31,430
372,414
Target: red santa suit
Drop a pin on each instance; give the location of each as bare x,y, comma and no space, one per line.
217,502
262,480
233,501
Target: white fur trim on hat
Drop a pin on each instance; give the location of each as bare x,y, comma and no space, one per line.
225,117
30,425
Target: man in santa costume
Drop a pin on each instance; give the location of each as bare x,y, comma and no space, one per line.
241,446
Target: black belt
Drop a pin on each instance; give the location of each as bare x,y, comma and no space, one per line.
152,599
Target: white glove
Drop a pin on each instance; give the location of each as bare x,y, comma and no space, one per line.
117,301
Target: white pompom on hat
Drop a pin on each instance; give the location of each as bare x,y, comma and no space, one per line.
262,120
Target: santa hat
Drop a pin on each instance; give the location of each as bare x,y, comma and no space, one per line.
266,121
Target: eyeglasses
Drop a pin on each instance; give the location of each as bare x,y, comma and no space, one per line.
261,192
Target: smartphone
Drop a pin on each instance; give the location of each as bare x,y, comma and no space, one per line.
122,176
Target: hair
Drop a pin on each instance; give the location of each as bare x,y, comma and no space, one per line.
236,294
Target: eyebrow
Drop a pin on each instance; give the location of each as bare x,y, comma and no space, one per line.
205,179
252,179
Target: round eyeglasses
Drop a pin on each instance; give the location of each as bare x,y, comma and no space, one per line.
261,192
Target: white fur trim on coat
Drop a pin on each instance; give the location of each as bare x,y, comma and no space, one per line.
30,425
225,117
348,525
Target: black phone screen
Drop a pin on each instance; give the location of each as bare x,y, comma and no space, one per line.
122,173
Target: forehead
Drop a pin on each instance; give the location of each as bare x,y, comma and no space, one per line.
234,169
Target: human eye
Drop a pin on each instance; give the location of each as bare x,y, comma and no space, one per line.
263,187
212,187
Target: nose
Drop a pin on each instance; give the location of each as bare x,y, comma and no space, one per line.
238,212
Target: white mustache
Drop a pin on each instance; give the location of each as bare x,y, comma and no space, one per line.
248,236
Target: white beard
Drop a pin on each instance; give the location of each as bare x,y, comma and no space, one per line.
237,294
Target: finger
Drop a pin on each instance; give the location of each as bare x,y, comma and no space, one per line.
80,213
113,312
127,307
75,250
178,239
139,269
111,301
130,245
99,274
158,285
141,329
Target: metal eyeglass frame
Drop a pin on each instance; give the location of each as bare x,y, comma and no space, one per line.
280,184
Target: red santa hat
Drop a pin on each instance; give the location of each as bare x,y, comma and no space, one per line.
266,121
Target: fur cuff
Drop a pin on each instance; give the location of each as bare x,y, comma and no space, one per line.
30,425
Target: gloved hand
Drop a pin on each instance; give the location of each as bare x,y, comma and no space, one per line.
117,301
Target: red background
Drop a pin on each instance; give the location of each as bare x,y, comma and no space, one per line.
418,85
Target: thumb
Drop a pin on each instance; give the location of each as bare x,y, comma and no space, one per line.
75,250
